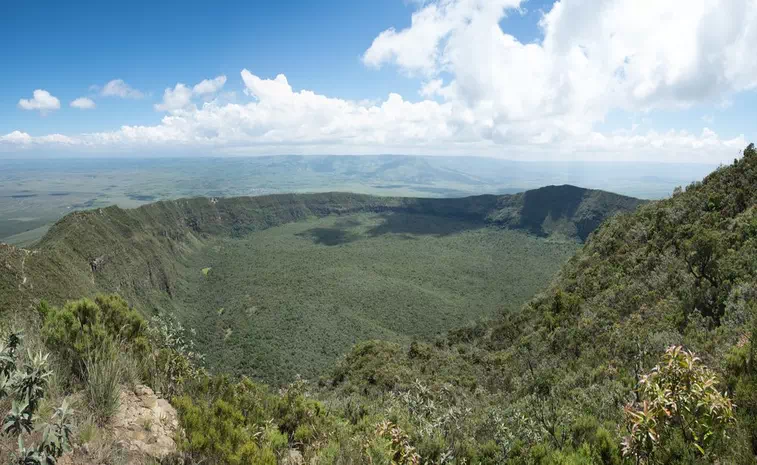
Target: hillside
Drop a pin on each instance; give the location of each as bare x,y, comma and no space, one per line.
555,381
548,383
282,285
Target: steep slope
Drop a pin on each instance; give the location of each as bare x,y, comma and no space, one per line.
566,211
548,384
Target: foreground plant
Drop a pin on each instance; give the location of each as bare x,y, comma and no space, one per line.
390,440
26,385
679,403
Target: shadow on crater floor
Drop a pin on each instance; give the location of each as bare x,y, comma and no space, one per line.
329,236
421,225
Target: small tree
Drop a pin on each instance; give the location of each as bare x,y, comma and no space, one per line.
679,402
26,385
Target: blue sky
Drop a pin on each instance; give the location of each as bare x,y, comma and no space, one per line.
65,47
483,95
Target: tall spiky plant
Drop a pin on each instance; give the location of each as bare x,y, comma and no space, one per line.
26,386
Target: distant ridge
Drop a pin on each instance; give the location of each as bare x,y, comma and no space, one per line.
133,251
565,210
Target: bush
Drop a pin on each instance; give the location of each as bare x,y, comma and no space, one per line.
84,326
242,422
174,360
681,411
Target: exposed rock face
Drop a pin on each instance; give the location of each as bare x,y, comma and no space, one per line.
145,424
141,432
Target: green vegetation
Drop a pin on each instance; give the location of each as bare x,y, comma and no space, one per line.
25,384
552,382
104,373
396,268
319,286
89,332
641,351
679,402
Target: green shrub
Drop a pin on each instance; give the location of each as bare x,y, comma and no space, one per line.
681,412
174,360
242,422
84,326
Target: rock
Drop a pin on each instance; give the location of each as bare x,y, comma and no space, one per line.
294,457
145,424
142,431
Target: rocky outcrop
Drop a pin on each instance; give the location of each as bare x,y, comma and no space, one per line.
141,432
145,424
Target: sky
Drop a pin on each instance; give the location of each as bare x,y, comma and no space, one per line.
646,80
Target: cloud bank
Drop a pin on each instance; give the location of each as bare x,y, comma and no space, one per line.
485,92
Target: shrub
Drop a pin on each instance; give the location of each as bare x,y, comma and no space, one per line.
242,422
391,445
84,326
174,360
680,407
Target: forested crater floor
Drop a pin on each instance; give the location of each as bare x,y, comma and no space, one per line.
281,285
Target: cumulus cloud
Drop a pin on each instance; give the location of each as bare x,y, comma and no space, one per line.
180,97
595,56
118,88
280,119
83,103
487,93
209,86
175,99
42,101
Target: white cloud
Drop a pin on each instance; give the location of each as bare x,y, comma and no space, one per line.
83,103
18,138
420,47
180,97
175,99
486,93
595,56
209,86
41,101
283,120
118,88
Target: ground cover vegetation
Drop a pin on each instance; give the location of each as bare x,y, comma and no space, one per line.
282,285
640,351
